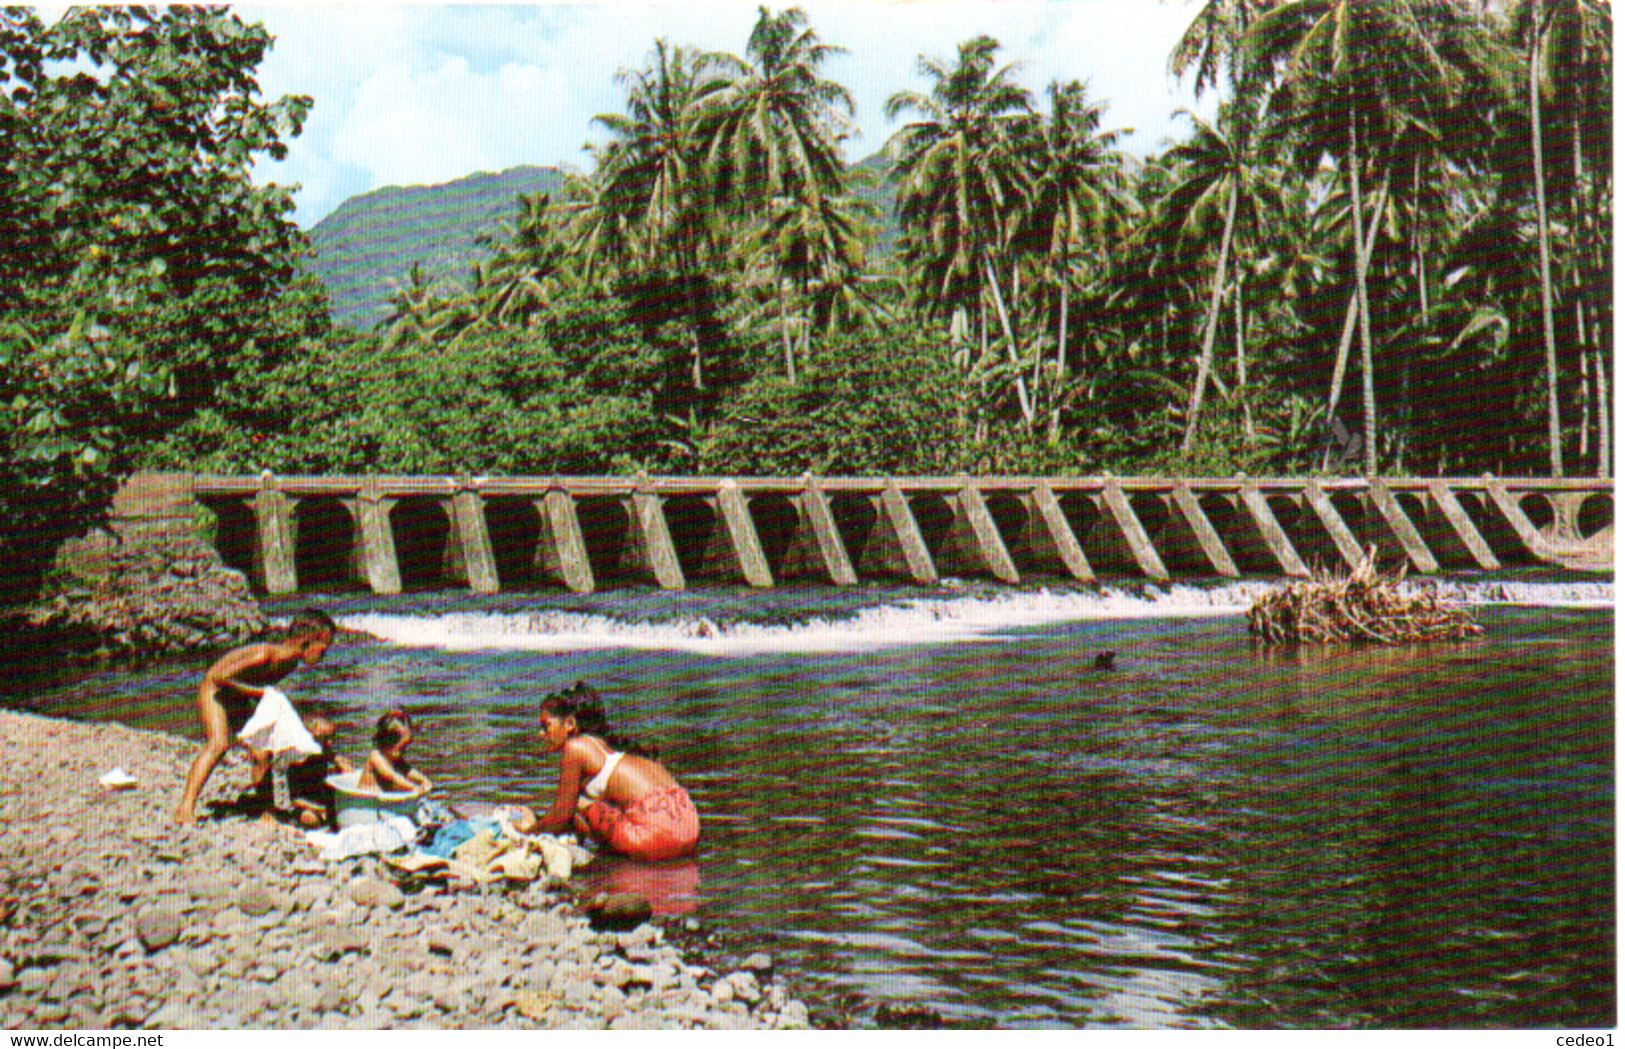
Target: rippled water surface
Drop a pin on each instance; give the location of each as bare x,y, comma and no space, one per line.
985,825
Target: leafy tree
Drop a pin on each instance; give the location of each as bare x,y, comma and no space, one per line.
153,272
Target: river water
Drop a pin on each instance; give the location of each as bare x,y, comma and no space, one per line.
933,799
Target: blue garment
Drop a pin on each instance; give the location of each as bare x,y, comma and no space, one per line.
448,837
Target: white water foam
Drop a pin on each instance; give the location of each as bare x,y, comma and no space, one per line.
922,621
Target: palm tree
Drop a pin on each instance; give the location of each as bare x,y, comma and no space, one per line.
1218,172
805,242
529,263
1532,22
411,309
770,126
1078,194
1347,69
1212,42
1568,54
650,184
964,182
648,170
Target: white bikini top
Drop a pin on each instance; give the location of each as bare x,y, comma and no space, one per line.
596,786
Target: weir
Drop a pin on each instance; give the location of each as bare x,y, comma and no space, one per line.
490,534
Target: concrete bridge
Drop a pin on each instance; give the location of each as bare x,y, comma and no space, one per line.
489,534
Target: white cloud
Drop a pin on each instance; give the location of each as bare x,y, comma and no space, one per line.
415,94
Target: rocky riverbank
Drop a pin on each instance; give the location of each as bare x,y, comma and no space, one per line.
158,595
111,917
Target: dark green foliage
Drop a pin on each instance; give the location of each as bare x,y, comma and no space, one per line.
870,405
141,270
575,393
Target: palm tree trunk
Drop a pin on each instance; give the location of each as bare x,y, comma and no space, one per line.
1010,339
1060,364
1241,366
1580,230
1367,384
1204,364
1553,419
784,336
1604,463
1351,315
1419,261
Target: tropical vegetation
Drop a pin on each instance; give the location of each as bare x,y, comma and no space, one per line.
1389,251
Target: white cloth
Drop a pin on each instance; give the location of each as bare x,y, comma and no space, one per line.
276,727
387,835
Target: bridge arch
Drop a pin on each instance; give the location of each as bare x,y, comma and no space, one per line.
855,520
422,531
775,519
1012,520
606,532
694,524
515,528
935,519
234,533
1596,513
326,544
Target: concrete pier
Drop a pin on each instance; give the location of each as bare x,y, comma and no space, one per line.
487,534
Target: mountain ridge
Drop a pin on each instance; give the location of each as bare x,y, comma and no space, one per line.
364,249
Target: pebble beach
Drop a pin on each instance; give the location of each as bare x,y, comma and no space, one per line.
113,917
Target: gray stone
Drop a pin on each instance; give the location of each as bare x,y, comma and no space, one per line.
545,928
620,910
255,899
373,892
727,1022
207,889
333,941
158,929
8,975
758,963
794,1015
310,895
745,987
447,999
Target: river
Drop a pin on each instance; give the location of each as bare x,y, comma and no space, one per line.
932,799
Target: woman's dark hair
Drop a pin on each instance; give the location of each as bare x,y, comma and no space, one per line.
581,701
391,728
308,621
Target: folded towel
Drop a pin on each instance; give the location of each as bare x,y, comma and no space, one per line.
276,727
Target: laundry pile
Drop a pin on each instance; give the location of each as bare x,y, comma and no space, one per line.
437,843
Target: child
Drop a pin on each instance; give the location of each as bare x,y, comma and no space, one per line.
627,799
307,780
387,767
231,687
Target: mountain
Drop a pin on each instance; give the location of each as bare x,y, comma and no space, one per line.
366,247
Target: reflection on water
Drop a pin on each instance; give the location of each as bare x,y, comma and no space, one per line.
1209,836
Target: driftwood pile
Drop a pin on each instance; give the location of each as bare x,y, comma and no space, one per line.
1362,606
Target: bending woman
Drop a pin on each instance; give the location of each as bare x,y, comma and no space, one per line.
610,787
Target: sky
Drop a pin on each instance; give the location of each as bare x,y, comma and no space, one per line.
423,94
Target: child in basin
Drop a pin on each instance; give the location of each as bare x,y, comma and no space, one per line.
387,768
609,786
